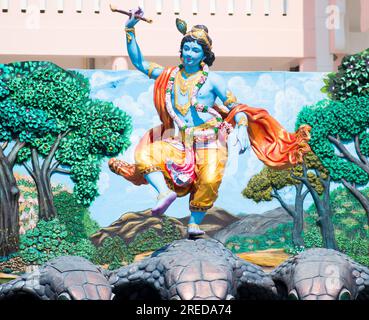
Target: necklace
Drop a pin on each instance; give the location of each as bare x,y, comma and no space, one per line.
222,125
186,85
185,88
189,74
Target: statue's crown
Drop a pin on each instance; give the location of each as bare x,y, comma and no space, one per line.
196,33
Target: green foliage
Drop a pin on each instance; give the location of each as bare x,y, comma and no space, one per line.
108,128
351,231
294,250
19,69
356,247
45,105
151,240
44,242
344,121
259,188
74,216
85,175
90,225
83,248
115,264
66,235
350,222
4,90
101,130
23,123
170,231
148,240
49,240
352,78
26,183
265,185
275,238
114,252
59,187
51,89
19,120
313,237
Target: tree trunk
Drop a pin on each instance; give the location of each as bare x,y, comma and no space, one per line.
9,209
45,196
364,201
325,213
324,209
298,227
42,177
298,221
362,162
327,230
50,196
298,224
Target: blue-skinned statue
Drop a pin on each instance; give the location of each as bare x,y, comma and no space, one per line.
193,160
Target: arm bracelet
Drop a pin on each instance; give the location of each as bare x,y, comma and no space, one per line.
243,122
130,30
129,36
152,67
230,99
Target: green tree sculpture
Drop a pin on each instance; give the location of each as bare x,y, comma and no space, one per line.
316,178
104,132
87,131
19,126
352,78
266,185
334,125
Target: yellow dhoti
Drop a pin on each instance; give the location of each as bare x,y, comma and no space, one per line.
210,163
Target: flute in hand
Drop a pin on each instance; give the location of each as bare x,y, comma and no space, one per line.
114,9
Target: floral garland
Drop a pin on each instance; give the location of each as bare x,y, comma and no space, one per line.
199,107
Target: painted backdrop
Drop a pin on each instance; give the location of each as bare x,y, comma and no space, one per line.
283,94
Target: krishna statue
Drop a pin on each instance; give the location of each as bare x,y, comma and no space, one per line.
192,161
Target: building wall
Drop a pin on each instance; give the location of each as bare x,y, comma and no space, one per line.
349,33
247,34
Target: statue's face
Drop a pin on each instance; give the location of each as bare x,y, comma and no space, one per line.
192,54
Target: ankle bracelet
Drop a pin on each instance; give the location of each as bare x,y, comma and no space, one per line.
194,225
165,194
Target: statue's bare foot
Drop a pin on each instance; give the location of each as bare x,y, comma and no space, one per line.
194,230
164,201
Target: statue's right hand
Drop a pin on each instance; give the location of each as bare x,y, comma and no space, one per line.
132,21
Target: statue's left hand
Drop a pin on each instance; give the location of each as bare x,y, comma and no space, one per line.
242,139
132,21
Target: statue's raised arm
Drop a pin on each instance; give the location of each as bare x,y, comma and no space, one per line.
151,69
